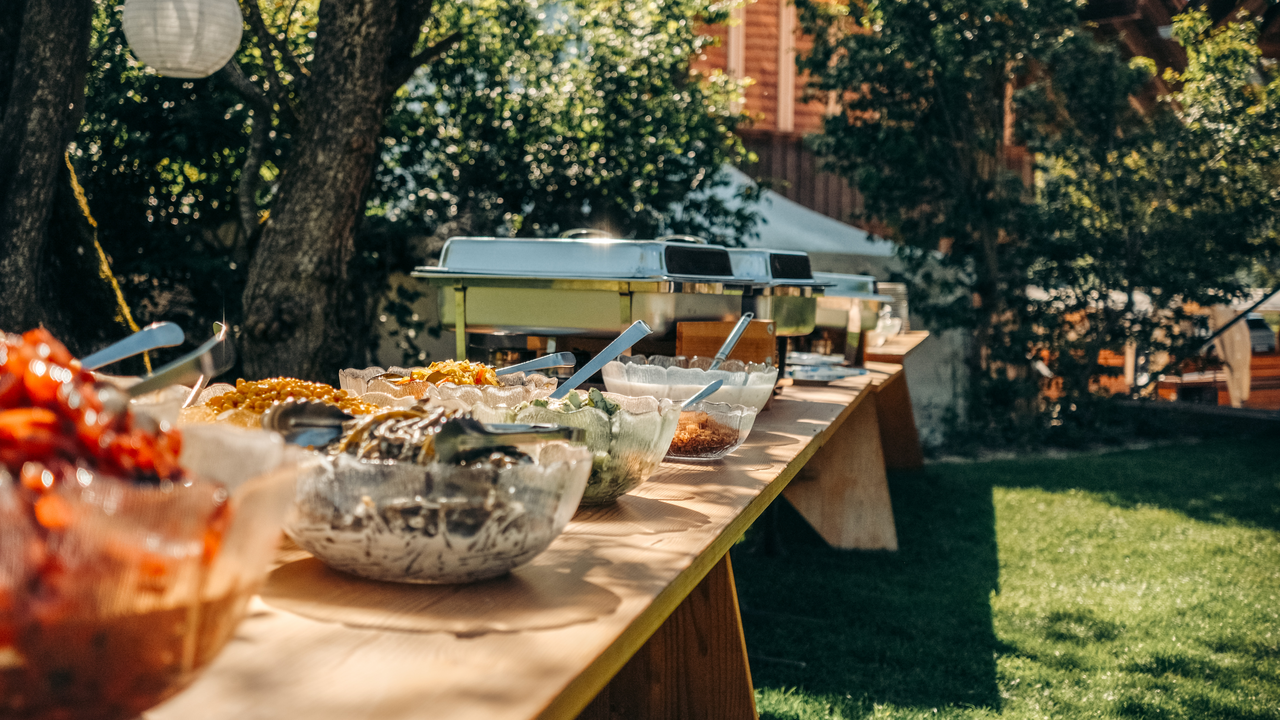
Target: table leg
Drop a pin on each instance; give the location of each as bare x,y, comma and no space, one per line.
843,491
898,435
694,666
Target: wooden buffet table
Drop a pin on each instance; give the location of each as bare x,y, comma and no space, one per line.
631,613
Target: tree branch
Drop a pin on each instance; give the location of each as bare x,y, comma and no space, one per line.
275,86
251,173
286,54
402,71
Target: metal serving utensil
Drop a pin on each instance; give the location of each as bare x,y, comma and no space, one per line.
465,435
732,340
702,394
155,335
307,423
629,337
562,359
216,356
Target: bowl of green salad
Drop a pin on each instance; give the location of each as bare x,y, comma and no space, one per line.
627,436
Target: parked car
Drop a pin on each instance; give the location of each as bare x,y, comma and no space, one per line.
1261,336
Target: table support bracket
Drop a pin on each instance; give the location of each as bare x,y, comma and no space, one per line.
694,666
843,492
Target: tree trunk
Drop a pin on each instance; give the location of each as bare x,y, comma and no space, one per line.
42,107
303,313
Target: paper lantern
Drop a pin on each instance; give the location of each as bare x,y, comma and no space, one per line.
183,38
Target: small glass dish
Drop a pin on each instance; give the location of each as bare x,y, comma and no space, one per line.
711,430
680,378
136,588
436,523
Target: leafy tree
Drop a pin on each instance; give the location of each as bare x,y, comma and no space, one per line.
557,115
49,269
1143,218
529,104
942,99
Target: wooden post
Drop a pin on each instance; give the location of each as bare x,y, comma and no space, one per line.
694,667
843,491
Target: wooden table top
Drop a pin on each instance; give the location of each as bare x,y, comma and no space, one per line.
540,642
897,347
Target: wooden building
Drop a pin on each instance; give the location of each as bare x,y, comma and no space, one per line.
764,38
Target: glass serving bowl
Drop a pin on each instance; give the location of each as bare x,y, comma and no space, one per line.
123,602
512,389
403,522
679,379
711,430
626,446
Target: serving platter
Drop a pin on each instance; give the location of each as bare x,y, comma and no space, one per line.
821,375
813,359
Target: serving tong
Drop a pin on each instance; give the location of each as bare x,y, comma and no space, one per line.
315,424
216,356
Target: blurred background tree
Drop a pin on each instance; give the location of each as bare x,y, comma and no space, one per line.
532,104
1039,204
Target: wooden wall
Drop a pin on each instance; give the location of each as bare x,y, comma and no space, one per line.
795,174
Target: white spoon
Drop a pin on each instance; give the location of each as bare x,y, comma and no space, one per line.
732,340
701,395
629,337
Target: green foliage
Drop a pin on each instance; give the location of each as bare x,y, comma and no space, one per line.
555,115
1116,225
544,116
1144,218
160,159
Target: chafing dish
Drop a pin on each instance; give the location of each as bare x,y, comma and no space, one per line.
586,287
779,285
842,293
597,287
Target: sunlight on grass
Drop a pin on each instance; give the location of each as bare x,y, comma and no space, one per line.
1132,585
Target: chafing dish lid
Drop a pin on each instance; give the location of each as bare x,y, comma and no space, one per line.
593,258
862,287
762,266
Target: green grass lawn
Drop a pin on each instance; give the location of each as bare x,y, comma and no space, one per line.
1142,584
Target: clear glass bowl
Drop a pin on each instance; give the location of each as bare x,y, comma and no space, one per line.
125,604
403,522
626,447
679,379
710,431
513,389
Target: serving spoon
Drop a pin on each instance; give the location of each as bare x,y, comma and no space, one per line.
155,335
732,340
701,394
629,337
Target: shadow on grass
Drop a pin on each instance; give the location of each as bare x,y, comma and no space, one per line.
911,628
1235,481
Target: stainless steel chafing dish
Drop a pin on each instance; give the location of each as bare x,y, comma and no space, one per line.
842,293
597,287
779,286
588,287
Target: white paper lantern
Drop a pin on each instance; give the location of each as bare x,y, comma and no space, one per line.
183,38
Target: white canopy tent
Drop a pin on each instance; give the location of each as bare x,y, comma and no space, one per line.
788,225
